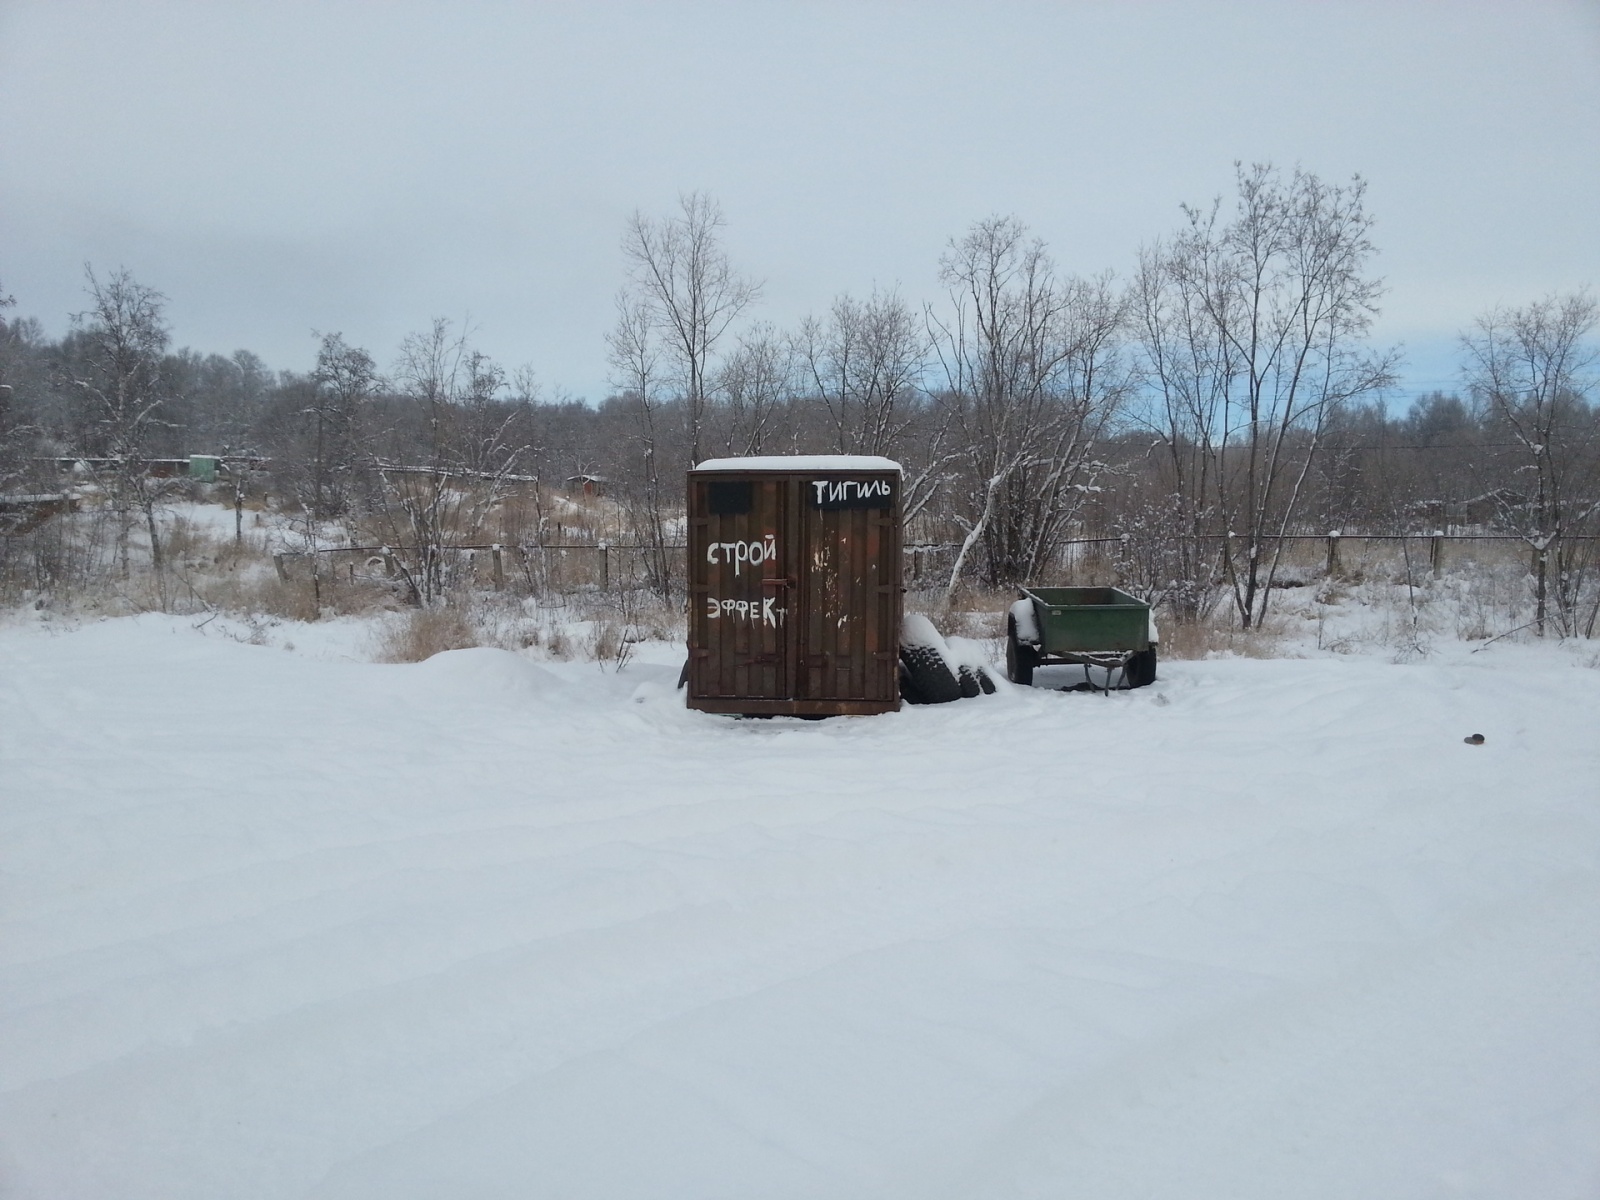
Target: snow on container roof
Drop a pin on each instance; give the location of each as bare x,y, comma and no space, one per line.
802,462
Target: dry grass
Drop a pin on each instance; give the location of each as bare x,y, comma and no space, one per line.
1220,637
557,645
618,621
605,641
253,593
246,582
600,627
423,632
974,612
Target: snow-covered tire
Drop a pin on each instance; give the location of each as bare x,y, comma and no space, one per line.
967,681
1141,668
929,675
909,692
975,681
683,675
1021,658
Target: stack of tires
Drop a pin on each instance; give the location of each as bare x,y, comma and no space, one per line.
930,672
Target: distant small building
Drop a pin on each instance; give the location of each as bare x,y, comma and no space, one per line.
586,485
1491,508
204,467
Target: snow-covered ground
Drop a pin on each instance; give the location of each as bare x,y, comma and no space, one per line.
286,924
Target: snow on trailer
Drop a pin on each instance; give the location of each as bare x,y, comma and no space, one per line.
794,585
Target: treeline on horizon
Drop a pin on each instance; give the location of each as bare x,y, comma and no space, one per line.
1229,387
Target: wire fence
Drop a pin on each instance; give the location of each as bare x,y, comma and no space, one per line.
533,567
581,566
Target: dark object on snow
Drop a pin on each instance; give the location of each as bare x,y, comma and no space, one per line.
925,677
1087,626
683,675
1475,740
975,680
1141,668
929,672
794,586
1021,655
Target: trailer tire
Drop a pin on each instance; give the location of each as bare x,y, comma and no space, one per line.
930,677
1021,658
683,676
1141,668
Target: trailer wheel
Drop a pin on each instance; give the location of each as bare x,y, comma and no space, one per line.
683,675
930,677
1021,658
1141,668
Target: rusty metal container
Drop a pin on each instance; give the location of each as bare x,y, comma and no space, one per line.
794,586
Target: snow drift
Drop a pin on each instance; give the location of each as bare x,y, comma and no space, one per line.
278,927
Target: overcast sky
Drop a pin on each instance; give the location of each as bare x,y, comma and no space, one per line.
275,168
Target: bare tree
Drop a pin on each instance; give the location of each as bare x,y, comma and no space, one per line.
1532,367
680,273
1034,371
1253,331
10,439
471,445
635,357
343,381
754,384
865,363
122,338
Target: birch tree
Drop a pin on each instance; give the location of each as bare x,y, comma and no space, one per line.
634,353
679,272
1532,368
865,363
1253,323
117,374
10,441
1034,371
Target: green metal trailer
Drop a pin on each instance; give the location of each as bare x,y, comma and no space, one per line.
1087,626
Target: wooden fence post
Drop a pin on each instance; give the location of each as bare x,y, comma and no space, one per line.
283,572
499,568
605,567
1333,554
1436,552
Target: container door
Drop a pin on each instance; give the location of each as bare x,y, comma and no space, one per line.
741,590
850,589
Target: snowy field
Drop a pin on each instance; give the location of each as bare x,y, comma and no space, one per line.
286,924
